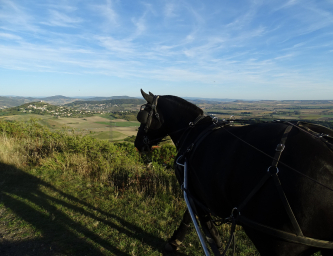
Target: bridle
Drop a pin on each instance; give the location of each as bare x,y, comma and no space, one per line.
149,110
145,117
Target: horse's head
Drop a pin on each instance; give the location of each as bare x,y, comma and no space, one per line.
162,116
152,130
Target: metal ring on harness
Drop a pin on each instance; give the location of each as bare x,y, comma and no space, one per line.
178,162
277,170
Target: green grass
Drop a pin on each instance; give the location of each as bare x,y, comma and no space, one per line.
107,116
107,135
76,217
120,124
71,195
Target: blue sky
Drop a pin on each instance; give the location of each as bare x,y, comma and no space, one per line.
217,49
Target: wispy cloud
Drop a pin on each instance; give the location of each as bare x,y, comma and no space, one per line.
286,56
13,16
140,27
108,12
10,36
170,10
249,45
115,46
60,19
244,19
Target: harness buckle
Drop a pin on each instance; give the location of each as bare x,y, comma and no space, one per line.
215,120
280,147
189,148
146,140
232,215
232,211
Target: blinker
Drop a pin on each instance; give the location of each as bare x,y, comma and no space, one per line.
145,117
142,116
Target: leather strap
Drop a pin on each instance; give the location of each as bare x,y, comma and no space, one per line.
151,113
280,147
286,205
287,236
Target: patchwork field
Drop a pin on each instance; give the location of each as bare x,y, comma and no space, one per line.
96,126
321,111
114,127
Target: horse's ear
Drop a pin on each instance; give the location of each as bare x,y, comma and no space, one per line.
151,94
147,97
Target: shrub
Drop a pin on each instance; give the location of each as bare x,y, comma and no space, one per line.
164,155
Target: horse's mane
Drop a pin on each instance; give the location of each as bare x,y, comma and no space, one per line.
186,105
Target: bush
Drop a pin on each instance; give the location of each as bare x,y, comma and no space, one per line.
164,155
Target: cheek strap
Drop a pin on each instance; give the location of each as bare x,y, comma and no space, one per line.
152,111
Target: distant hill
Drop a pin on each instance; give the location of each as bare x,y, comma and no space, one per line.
109,98
113,101
57,97
206,100
14,101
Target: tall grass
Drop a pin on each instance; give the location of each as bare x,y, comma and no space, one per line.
10,152
119,165
139,189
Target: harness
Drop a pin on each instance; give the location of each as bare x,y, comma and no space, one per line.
272,173
145,116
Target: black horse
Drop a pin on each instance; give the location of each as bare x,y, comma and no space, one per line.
227,170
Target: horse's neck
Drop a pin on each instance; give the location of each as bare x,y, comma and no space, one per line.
178,119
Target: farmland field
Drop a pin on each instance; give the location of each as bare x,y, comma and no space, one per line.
96,126
114,127
312,111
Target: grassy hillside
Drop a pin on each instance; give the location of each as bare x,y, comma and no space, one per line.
64,194
98,126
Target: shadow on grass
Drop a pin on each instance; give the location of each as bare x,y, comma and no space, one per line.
59,234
